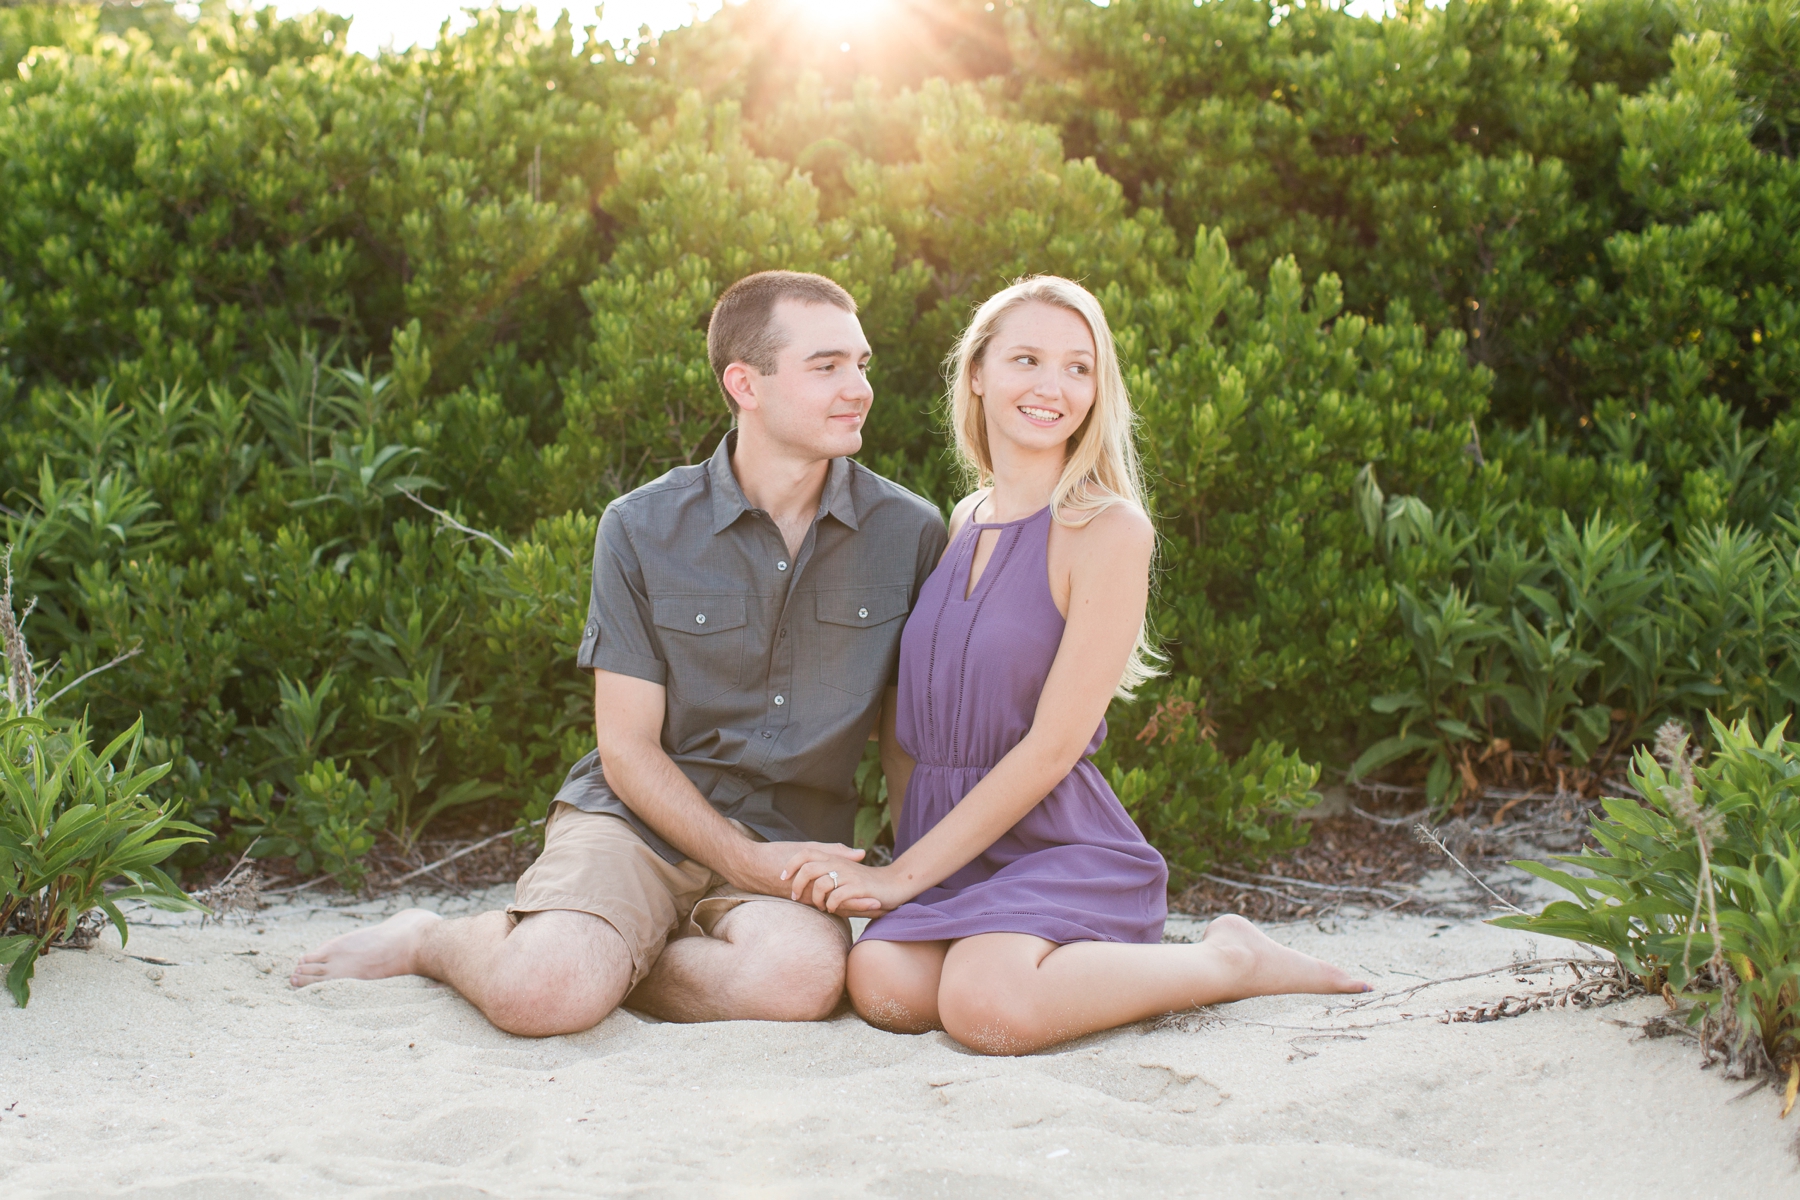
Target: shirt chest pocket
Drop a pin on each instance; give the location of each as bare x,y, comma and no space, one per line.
703,639
859,635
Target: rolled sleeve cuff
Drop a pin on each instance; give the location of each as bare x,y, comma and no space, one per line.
602,658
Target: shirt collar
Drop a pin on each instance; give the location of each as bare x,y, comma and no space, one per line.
728,503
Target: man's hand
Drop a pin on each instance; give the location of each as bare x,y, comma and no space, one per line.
759,866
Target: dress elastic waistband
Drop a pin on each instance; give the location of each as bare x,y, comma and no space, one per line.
954,766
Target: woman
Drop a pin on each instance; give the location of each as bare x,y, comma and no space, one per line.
1024,907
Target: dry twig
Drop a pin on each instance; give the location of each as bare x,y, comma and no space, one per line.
455,524
1430,837
450,858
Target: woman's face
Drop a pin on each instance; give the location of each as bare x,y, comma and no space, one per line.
1036,380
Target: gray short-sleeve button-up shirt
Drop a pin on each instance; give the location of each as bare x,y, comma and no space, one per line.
774,666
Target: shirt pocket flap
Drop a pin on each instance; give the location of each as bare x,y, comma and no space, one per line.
699,614
861,608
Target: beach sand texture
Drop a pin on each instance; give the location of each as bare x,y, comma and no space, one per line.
206,1076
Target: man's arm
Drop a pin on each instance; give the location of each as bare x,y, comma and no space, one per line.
628,719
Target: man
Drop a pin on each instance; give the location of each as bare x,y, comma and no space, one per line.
743,632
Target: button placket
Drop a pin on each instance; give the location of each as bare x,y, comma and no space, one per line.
781,674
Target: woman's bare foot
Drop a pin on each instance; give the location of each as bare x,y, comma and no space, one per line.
1267,968
379,953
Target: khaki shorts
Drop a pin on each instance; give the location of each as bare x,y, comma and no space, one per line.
596,863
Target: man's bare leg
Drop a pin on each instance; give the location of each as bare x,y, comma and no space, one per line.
553,972
765,961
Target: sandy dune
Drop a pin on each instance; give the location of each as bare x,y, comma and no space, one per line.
208,1077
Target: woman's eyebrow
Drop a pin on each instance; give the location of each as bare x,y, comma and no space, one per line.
1037,351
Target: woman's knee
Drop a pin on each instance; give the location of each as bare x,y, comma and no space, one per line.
992,1015
894,986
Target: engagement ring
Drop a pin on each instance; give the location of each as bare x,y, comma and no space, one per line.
834,879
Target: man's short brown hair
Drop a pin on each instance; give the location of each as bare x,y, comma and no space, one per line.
742,328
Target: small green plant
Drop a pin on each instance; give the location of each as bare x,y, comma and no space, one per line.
1443,716
1698,888
874,812
327,822
72,822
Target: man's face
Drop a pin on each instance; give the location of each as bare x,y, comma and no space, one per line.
815,403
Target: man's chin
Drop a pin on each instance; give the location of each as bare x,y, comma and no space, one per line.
843,445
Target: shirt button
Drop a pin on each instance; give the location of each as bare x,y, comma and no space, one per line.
862,612
779,700
700,619
781,566
592,629
766,733
784,633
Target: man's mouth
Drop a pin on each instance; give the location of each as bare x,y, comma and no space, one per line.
1040,416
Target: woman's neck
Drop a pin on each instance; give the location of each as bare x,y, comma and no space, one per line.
1023,484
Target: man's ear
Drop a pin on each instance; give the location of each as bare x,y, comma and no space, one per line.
740,382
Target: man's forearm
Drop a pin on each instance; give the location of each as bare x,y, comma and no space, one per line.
666,800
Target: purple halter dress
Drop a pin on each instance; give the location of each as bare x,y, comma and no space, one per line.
1075,868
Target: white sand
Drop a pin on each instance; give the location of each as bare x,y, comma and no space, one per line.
211,1078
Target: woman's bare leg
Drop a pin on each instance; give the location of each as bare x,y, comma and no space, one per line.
894,985
1010,993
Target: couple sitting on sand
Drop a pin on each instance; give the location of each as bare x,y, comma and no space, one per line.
754,618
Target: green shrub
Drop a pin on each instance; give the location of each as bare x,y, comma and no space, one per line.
1583,647
1197,806
1698,885
72,821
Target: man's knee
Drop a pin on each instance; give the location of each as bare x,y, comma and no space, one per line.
558,972
794,966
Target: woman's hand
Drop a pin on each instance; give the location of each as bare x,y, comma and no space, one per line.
845,888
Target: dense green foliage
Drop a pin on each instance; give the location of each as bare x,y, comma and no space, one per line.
1708,865
1465,344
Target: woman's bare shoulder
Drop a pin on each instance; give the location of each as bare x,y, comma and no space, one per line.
1118,537
965,510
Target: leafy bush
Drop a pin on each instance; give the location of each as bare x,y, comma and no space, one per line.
1197,806
1586,645
1698,886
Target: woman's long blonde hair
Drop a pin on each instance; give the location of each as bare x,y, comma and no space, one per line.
1102,468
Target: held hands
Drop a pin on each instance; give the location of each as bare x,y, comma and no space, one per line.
848,889
759,866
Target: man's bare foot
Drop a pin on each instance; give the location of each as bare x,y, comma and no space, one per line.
1271,969
379,953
